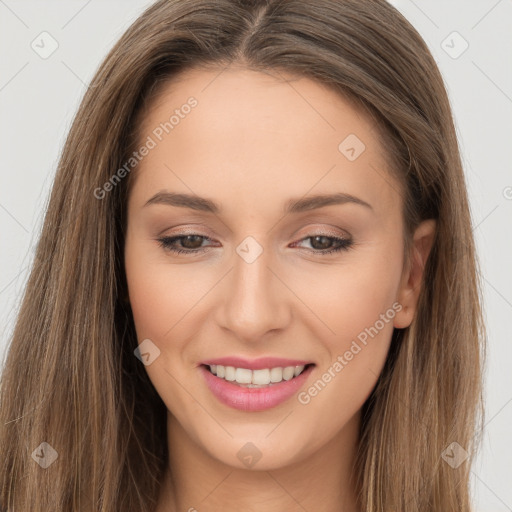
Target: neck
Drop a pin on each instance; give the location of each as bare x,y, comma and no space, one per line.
197,482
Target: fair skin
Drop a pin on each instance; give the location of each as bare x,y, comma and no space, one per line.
252,143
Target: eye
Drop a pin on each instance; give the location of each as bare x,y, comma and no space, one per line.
323,244
192,243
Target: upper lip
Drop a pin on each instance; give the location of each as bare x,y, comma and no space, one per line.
255,364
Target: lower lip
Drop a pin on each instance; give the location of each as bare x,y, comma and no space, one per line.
253,399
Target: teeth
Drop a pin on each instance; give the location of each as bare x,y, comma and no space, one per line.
298,370
261,377
256,378
230,373
276,375
288,372
243,376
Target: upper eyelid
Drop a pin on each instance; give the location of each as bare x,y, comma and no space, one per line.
313,231
208,237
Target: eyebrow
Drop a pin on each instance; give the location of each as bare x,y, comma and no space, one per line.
194,202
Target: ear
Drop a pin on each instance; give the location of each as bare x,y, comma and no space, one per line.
412,276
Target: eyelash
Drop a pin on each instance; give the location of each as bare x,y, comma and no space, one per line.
166,244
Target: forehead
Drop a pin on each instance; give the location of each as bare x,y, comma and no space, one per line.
252,134
275,101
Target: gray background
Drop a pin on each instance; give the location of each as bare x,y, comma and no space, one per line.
39,96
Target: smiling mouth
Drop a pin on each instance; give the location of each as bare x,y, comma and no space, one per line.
262,378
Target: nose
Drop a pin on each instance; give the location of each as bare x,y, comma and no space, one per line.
256,301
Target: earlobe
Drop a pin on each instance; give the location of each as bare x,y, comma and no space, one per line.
412,277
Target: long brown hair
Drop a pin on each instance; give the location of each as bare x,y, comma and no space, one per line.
71,378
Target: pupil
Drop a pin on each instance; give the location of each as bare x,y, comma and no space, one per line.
188,238
324,245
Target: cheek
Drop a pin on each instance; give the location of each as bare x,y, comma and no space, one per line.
357,302
152,309
363,294
160,298
360,313
166,303
350,297
161,295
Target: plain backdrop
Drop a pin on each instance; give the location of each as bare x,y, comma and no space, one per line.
472,44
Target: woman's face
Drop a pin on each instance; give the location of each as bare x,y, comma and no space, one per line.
269,277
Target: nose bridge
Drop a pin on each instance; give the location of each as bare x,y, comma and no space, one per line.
255,301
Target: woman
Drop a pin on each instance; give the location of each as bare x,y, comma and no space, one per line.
255,287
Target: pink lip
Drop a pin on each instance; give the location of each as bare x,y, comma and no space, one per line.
253,399
255,364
